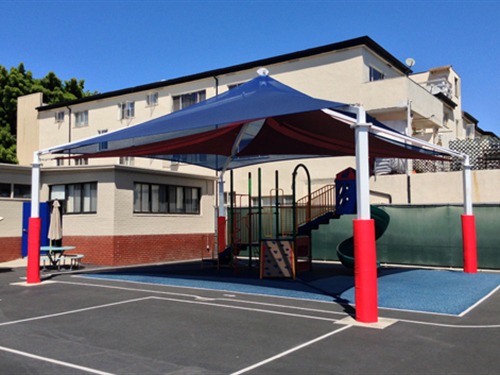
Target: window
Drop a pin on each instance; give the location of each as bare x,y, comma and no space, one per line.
185,158
126,110
22,191
102,145
82,161
230,87
77,198
81,119
127,160
271,201
156,198
469,131
59,116
152,99
457,87
376,75
15,191
4,190
184,101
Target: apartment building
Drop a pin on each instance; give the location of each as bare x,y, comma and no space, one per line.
426,105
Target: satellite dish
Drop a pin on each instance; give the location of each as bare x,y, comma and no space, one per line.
410,62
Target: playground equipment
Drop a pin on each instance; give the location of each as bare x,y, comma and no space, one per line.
278,234
345,249
346,203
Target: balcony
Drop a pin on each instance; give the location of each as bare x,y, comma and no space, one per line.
392,95
439,85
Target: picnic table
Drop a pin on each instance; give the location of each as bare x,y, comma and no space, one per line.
55,253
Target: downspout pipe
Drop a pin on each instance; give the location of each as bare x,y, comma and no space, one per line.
69,131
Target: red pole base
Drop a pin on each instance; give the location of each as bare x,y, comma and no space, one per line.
469,243
221,233
33,270
365,271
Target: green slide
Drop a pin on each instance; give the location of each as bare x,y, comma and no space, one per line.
345,249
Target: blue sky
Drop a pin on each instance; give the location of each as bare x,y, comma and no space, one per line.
118,44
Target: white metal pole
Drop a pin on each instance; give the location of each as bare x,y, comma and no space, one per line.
467,181
222,208
362,165
35,185
408,132
34,225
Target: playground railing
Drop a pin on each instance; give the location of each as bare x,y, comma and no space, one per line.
322,201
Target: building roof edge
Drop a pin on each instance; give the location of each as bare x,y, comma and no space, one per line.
360,41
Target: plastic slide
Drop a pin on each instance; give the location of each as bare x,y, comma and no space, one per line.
345,249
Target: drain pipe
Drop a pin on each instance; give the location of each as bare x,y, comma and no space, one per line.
69,131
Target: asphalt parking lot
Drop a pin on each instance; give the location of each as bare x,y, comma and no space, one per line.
71,323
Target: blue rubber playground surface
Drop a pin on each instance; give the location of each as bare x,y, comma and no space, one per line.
417,290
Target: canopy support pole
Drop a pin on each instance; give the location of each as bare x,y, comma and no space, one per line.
34,224
365,264
221,218
468,222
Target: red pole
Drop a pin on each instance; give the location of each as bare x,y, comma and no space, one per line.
221,233
469,243
365,271
33,270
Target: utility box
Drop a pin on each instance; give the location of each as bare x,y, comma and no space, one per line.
345,192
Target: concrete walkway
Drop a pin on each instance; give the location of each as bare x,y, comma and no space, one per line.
21,262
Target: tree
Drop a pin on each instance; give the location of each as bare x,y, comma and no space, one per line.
17,82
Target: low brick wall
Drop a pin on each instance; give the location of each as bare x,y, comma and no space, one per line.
129,250
10,248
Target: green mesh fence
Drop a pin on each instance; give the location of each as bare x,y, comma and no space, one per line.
421,235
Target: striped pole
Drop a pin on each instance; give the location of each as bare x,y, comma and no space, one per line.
365,264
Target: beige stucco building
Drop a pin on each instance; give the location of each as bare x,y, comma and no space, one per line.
426,105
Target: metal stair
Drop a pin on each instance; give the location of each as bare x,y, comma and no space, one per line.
316,210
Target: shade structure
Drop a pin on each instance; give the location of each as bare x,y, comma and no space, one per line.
260,121
55,227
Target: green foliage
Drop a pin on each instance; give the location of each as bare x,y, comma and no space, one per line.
18,82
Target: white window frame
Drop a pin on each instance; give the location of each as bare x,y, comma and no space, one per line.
152,99
186,100
81,161
375,74
127,160
81,119
126,110
103,146
152,198
80,198
59,116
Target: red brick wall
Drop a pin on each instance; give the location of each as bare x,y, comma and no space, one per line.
10,248
129,250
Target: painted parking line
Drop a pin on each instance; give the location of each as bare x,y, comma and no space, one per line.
54,361
232,298
285,353
201,299
221,305
48,316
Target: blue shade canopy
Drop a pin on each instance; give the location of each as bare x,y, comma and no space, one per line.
260,121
